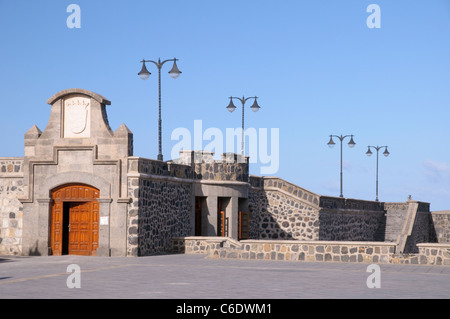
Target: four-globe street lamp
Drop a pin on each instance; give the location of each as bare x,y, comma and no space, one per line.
385,153
350,144
255,108
144,75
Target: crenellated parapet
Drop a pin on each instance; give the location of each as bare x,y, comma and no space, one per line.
231,166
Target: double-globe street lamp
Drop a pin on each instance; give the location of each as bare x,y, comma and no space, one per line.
350,144
385,153
144,74
255,108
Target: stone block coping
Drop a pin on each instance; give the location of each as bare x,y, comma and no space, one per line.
318,251
317,242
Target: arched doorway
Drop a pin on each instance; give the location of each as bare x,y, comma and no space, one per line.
74,220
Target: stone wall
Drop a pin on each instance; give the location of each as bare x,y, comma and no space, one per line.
231,167
441,226
158,168
312,251
318,251
349,225
397,215
11,209
408,224
345,219
287,250
420,233
395,219
434,254
160,208
281,210
200,245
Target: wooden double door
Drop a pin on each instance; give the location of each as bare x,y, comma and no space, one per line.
75,221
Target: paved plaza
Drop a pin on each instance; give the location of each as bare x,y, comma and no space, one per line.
196,277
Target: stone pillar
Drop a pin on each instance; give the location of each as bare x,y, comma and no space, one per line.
233,217
118,229
210,217
192,215
104,230
42,243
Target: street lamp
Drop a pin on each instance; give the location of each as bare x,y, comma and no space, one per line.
385,153
255,108
144,74
350,144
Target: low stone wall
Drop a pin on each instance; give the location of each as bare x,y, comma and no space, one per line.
11,209
311,251
435,254
201,245
318,251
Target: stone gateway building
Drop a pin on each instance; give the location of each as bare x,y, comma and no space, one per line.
80,190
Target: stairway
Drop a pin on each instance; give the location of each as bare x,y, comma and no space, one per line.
408,225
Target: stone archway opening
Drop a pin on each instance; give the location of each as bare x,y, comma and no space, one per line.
74,220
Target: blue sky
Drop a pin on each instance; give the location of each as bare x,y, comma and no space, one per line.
315,65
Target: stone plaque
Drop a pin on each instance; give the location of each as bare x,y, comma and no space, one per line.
104,220
77,114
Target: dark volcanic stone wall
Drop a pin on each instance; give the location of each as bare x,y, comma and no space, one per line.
160,210
281,210
350,226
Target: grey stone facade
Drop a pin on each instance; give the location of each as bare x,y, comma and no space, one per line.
76,149
143,203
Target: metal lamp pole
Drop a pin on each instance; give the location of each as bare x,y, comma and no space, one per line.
385,153
144,75
350,144
255,108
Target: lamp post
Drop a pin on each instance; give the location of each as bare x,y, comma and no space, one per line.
255,108
350,144
385,153
144,74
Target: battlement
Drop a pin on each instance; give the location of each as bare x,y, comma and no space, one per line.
231,166
11,166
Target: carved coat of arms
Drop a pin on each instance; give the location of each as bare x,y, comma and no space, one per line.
76,117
